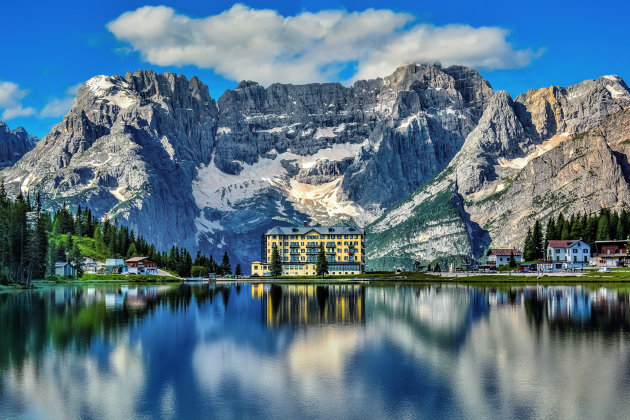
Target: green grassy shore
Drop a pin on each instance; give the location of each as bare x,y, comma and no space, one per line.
616,276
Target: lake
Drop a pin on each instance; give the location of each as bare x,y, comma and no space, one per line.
295,351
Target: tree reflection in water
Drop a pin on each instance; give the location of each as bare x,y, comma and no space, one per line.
430,350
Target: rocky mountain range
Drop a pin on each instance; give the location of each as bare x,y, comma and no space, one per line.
472,166
551,150
14,144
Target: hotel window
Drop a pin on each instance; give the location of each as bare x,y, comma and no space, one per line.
557,251
575,251
585,251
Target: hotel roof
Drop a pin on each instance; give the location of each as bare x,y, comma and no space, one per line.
322,230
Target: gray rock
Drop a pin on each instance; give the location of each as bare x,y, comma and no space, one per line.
14,144
525,160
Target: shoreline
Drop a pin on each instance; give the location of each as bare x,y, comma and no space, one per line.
377,279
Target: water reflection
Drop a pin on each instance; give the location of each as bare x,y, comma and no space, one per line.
306,304
318,351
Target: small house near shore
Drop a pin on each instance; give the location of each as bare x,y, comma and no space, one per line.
141,265
64,269
567,254
612,253
115,266
501,256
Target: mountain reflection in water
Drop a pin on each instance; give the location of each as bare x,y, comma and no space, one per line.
314,350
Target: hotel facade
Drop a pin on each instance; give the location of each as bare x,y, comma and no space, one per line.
298,248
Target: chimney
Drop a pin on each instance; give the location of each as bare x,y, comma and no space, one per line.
305,223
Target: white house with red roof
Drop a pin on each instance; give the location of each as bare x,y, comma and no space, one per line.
501,256
567,254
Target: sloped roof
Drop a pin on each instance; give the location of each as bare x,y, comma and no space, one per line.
61,264
562,243
322,230
504,252
136,259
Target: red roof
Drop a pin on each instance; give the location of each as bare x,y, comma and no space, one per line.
556,243
504,251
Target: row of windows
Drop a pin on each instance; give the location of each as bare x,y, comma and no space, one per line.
315,236
350,243
302,251
346,258
575,250
575,258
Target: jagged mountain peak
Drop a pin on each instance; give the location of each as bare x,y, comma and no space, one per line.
523,161
14,144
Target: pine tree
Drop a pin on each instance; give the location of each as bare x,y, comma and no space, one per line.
276,263
512,260
76,260
321,267
98,240
538,244
187,264
566,233
557,233
226,268
602,228
132,251
238,271
551,229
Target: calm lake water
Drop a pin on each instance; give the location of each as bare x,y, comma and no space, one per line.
234,351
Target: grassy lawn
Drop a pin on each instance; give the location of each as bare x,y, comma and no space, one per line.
616,276
131,278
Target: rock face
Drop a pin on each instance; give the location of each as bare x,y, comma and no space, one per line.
14,144
128,149
551,150
159,154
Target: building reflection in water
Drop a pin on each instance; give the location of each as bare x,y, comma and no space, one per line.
311,304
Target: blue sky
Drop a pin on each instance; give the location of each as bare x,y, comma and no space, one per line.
49,48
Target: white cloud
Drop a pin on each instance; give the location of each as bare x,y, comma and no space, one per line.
10,101
73,90
58,107
245,43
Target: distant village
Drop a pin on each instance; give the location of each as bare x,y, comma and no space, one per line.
298,249
135,265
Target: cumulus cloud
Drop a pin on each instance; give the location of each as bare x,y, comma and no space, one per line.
10,101
245,43
58,107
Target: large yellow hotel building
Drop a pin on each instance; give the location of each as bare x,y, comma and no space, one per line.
299,246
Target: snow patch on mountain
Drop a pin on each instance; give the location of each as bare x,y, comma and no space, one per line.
219,190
